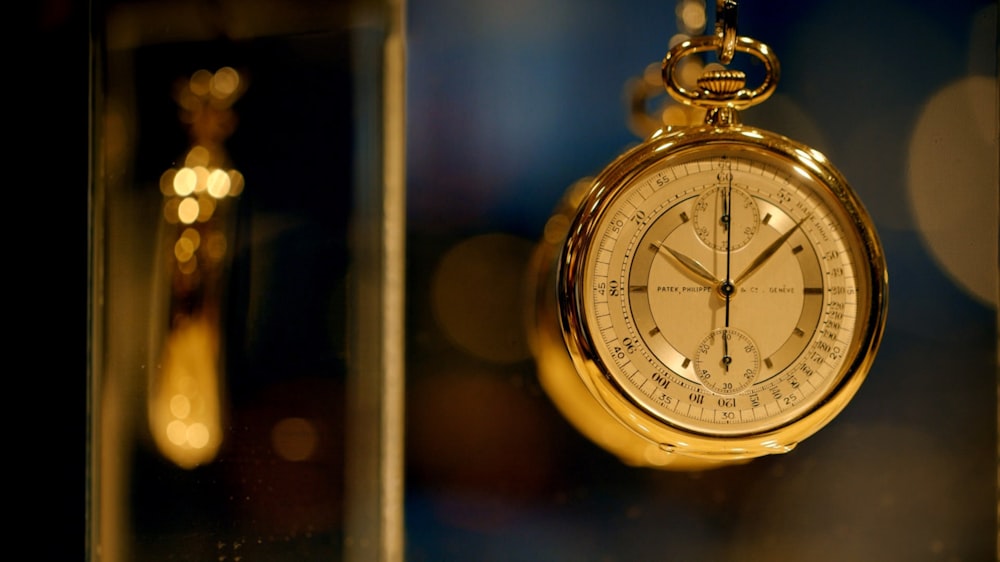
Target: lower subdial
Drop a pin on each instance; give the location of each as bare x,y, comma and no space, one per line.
727,361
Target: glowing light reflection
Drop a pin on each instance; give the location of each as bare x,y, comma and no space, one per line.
235,183
677,39
692,14
184,408
294,439
197,435
200,82
215,246
170,210
185,182
206,208
800,171
188,267
689,71
187,210
183,249
192,235
197,156
654,455
556,228
481,278
180,406
224,83
676,115
217,184
958,126
167,182
201,184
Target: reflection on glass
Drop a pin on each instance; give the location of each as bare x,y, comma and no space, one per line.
185,407
229,360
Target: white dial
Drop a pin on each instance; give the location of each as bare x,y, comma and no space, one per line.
655,283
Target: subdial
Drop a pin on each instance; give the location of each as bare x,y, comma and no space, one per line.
727,361
712,222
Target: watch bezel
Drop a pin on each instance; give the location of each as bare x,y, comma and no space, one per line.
591,368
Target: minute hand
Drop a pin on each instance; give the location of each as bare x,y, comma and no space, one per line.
767,253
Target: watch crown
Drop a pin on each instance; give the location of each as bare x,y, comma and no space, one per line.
722,82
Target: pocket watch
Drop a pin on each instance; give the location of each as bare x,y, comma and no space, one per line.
717,293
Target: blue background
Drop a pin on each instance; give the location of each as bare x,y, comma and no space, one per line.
508,104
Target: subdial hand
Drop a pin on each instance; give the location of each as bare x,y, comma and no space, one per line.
691,265
726,217
767,253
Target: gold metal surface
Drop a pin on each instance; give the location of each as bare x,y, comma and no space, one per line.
725,29
374,522
625,367
741,99
587,391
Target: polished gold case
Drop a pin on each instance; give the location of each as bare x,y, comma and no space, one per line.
572,372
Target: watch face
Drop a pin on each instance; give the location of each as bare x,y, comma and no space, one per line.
721,287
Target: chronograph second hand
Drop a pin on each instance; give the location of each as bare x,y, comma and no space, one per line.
727,286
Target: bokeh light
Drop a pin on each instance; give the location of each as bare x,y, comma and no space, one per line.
215,246
184,249
206,207
217,184
187,210
224,83
201,183
294,439
953,150
198,156
184,404
185,181
235,183
170,206
477,296
194,191
167,182
691,15
185,408
200,82
188,267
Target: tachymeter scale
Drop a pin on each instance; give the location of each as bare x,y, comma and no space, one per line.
653,293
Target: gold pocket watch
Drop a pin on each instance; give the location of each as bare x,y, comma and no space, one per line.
717,293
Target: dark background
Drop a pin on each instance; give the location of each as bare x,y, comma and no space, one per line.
52,142
905,466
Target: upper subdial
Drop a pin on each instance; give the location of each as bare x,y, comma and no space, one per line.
721,209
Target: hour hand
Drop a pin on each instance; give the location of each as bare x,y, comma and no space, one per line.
690,265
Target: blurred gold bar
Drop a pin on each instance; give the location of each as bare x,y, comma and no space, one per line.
374,472
160,394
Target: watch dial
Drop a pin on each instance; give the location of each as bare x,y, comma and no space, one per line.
722,287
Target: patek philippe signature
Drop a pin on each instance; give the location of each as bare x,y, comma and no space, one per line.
753,289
